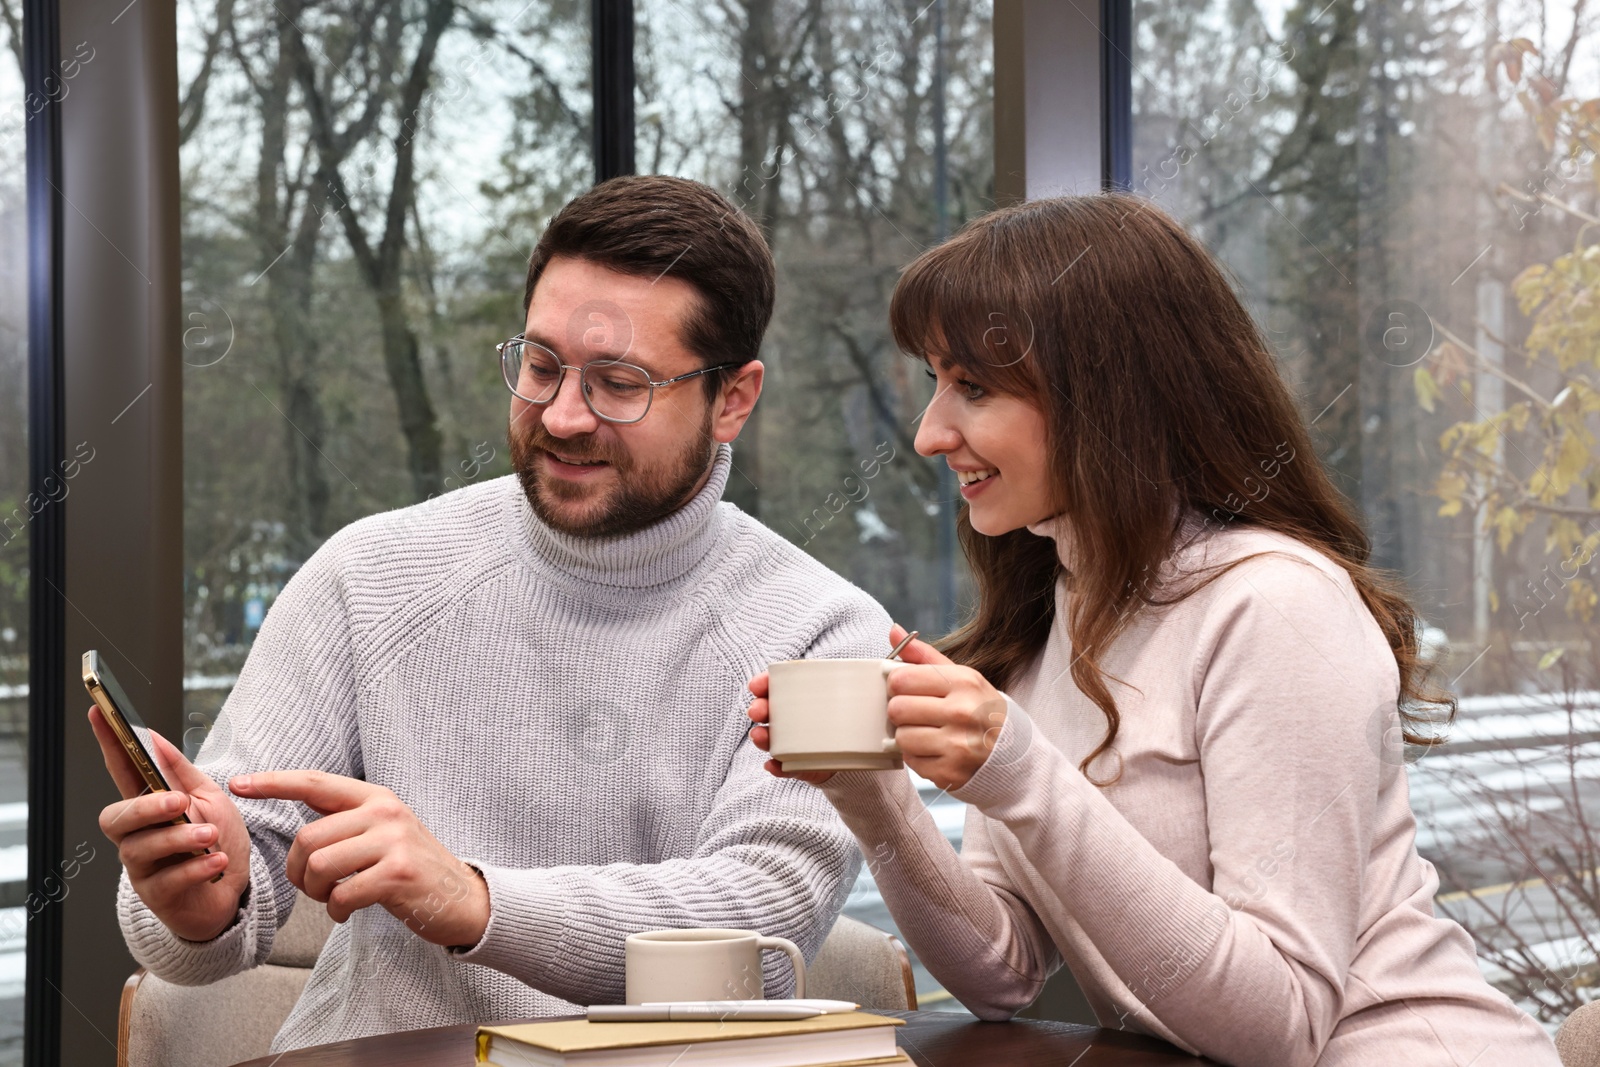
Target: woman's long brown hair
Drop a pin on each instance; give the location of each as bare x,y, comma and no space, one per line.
1159,395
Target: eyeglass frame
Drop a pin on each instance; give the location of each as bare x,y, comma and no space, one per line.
583,369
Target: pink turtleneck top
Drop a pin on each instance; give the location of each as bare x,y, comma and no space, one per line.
1250,888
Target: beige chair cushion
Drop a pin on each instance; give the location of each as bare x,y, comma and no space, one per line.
212,1025
302,937
862,963
226,1022
1578,1040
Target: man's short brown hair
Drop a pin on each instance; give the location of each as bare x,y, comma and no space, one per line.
648,225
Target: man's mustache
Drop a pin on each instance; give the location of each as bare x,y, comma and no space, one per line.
572,448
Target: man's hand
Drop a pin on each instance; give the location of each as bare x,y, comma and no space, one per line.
369,848
175,885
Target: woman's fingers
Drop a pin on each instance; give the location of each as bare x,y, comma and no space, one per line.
759,709
918,651
761,737
758,684
923,711
924,681
922,742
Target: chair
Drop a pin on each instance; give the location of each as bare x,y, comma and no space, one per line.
1578,1040
862,963
156,1026
157,1021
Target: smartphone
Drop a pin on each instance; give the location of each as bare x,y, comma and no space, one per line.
130,730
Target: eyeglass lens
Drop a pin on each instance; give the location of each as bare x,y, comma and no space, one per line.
614,390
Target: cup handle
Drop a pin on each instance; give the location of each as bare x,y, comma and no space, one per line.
795,959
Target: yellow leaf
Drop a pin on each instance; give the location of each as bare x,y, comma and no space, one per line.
1549,658
1494,600
1581,599
1573,460
1507,524
1427,389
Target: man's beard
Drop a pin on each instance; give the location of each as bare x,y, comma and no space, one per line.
637,499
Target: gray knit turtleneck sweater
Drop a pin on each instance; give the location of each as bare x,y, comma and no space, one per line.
565,713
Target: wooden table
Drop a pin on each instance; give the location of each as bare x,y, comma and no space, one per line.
930,1038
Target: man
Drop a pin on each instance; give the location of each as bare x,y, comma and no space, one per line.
499,731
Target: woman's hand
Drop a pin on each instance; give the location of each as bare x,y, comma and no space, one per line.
946,716
761,737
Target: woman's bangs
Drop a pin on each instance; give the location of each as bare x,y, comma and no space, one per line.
955,304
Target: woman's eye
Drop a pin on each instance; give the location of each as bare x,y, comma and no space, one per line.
932,377
974,391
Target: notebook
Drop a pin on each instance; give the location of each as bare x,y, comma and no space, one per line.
847,1039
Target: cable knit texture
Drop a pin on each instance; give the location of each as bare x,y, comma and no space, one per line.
566,714
1250,888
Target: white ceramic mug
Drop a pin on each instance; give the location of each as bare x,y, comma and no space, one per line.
703,965
832,715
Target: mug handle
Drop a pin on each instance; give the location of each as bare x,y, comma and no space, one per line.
891,746
795,959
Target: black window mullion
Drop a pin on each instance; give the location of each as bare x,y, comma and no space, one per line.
1116,93
47,667
612,73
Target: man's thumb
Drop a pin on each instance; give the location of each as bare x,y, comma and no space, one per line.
175,766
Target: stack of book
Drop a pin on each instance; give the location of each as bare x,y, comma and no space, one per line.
849,1039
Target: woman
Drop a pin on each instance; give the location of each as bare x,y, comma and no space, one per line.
1171,710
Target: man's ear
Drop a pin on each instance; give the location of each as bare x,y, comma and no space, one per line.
736,400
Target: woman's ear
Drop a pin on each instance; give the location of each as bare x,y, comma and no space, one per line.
736,400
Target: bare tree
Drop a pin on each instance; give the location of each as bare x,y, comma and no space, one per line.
388,77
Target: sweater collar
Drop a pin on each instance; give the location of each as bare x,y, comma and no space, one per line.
1059,529
662,552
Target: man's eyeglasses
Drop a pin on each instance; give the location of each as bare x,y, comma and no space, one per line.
615,391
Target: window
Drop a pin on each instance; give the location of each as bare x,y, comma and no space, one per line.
1402,191
856,139
310,397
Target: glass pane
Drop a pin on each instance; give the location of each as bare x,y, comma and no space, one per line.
294,425
856,139
1404,193
15,524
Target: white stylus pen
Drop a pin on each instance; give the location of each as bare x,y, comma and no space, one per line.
641,1013
827,1007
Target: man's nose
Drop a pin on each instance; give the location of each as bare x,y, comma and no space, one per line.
567,415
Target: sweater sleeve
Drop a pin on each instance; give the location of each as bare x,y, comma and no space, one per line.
292,708
959,913
768,859
772,856
1290,670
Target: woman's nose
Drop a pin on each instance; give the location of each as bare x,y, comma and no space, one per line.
935,436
